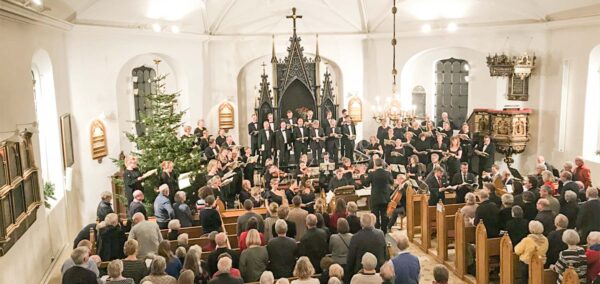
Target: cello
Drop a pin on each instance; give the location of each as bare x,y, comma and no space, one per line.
395,199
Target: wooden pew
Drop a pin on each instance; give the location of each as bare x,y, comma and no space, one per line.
413,212
508,261
231,228
570,276
464,235
537,273
233,241
485,248
202,242
445,215
427,223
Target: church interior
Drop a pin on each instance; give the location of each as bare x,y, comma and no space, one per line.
453,141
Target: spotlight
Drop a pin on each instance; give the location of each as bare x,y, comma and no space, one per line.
426,28
156,27
175,29
452,27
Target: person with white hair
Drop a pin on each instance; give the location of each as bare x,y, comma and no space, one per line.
534,242
570,207
79,273
213,257
137,205
163,211
104,207
406,266
546,193
111,238
587,217
147,234
368,274
468,211
582,173
304,270
183,213
574,256
157,272
266,278
174,227
555,242
593,256
368,239
224,268
115,273
282,251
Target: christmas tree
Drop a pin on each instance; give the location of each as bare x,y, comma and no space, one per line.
160,141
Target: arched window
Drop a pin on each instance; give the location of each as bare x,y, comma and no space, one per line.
141,77
452,89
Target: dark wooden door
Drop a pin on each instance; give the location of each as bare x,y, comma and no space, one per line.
452,89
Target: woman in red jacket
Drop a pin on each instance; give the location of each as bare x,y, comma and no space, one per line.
593,256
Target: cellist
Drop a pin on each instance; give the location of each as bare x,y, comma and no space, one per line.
397,205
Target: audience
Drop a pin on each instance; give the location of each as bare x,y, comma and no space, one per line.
224,276
353,220
593,256
505,210
298,216
304,270
529,205
104,207
111,238
79,273
313,243
146,233
440,275
387,272
468,211
183,213
545,215
186,277
174,227
90,264
406,266
487,212
255,259
173,264
546,193
270,221
368,239
574,256
335,271
517,227
340,242
340,212
213,257
163,211
582,173
282,251
282,214
368,274
252,223
534,242
570,208
242,221
157,272
115,273
267,276
132,266
587,217
210,217
555,239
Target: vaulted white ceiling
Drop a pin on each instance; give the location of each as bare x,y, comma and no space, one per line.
259,17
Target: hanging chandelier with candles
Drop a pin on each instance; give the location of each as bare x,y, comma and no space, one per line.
394,108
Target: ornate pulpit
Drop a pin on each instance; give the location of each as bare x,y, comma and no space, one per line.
509,129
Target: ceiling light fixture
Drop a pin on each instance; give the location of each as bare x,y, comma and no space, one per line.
426,28
175,29
156,27
452,27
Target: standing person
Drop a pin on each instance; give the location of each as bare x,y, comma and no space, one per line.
78,273
486,151
406,266
487,212
210,217
182,211
297,215
283,140
146,233
301,137
132,178
163,211
574,256
534,242
169,178
437,183
132,266
348,138
104,207
464,180
368,274
243,219
289,120
368,239
314,242
222,248
340,243
333,134
111,238
317,144
255,259
380,181
136,205
199,128
266,141
253,132
582,172
587,217
282,251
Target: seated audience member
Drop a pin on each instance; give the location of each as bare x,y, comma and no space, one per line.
180,253
137,205
115,270
587,217
163,211
321,223
487,212
224,267
243,220
570,208
157,272
368,273
266,278
555,239
79,273
173,264
111,238
368,239
132,266
298,216
213,257
335,271
183,213
91,265
546,193
517,227
534,242
593,256
440,275
545,215
146,233
282,251
254,259
529,206
183,241
234,271
270,221
505,210
174,227
210,217
406,266
282,214
468,211
352,218
186,277
194,264
104,207
251,224
574,256
314,242
339,243
304,270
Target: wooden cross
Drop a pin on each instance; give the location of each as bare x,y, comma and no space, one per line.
293,16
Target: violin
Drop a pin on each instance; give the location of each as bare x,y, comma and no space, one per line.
395,199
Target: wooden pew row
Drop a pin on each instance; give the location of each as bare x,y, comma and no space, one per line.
193,232
508,261
413,213
464,235
427,223
484,249
202,242
445,215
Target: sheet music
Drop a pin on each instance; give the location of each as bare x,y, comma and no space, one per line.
184,180
149,173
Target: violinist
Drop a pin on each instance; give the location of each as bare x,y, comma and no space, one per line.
348,169
398,200
307,193
396,154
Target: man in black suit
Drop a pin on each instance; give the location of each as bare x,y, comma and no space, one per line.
339,180
545,215
313,243
77,273
253,132
437,184
266,141
587,217
487,212
301,136
333,142
368,239
282,251
464,180
290,119
349,135
317,141
225,277
445,118
211,151
283,140
325,122
213,257
271,121
137,205
486,161
380,181
566,183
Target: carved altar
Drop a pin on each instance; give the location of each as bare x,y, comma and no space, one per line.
509,129
296,84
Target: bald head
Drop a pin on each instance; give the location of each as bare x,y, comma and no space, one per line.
311,221
138,217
